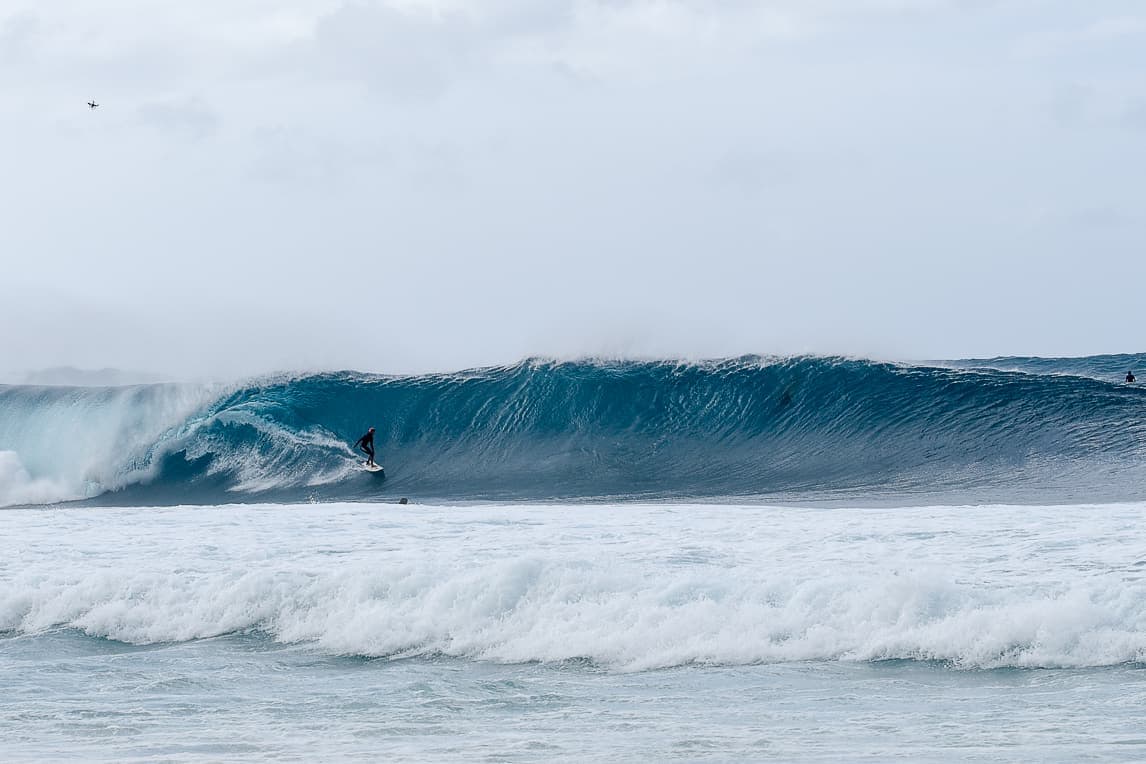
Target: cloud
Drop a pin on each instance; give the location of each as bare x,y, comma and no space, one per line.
404,55
414,52
1134,115
752,172
17,34
1070,104
543,176
189,118
1081,36
1109,29
293,155
1097,217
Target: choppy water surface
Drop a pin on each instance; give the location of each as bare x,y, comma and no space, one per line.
573,632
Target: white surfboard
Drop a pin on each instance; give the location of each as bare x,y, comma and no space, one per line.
372,467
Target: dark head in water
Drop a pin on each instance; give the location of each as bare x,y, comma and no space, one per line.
1130,376
403,500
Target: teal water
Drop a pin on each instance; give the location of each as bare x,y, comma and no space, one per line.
780,430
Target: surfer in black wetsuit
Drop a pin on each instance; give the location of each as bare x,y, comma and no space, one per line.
367,444
1129,377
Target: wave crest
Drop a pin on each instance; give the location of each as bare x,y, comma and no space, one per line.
770,427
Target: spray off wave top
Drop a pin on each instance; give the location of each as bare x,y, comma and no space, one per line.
787,428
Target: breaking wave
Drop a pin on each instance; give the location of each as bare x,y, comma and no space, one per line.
776,428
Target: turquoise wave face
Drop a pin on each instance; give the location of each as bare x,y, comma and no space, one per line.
814,429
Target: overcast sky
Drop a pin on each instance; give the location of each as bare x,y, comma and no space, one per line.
400,185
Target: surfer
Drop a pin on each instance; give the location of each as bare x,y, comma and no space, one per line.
1129,377
367,444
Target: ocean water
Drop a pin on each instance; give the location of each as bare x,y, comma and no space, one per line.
573,632
779,430
788,559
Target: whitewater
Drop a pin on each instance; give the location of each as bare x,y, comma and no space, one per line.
790,559
573,632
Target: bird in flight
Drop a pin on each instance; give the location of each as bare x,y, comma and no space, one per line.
92,104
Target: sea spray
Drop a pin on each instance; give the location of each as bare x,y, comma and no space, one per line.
793,428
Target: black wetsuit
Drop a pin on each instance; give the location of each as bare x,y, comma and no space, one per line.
367,443
1130,377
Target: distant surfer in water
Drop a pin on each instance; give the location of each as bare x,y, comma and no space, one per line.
367,444
1129,377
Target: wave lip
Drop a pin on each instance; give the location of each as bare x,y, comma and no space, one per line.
787,428
66,443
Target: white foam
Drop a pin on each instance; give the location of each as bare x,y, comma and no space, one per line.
74,443
18,487
274,461
628,587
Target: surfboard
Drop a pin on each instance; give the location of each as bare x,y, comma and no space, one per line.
372,467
